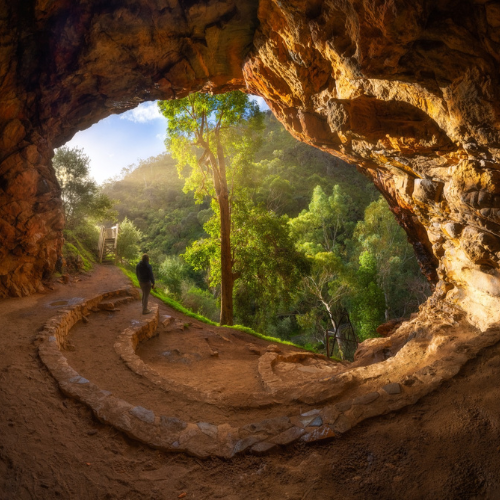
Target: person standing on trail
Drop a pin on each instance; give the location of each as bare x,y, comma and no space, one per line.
144,273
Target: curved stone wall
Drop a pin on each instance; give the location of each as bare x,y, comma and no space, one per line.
406,90
430,354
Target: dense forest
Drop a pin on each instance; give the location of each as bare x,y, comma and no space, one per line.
314,242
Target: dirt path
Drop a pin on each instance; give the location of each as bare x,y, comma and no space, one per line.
445,447
233,370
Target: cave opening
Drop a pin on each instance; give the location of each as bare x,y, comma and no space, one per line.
428,149
374,279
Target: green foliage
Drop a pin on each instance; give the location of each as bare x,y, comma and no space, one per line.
365,268
157,292
381,240
327,224
341,247
203,128
367,298
173,273
267,265
269,338
84,204
81,196
74,255
264,255
323,233
221,128
127,246
80,246
150,195
178,307
282,159
84,236
201,302
282,328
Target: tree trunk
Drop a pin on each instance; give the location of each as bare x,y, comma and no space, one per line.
336,328
327,342
227,280
386,300
226,312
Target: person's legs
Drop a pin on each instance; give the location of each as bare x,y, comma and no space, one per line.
146,288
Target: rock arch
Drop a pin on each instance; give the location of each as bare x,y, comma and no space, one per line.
405,90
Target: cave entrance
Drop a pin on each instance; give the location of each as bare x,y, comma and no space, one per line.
361,271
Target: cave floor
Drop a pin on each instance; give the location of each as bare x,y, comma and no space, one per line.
219,365
445,446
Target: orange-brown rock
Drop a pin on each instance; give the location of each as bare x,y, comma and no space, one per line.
408,91
386,329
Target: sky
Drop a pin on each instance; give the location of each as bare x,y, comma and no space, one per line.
122,140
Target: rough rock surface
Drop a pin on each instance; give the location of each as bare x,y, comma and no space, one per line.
406,90
409,92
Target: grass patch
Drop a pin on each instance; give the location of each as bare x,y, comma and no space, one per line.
179,307
245,329
70,250
77,246
167,300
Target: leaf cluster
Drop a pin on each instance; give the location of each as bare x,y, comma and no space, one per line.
81,196
204,129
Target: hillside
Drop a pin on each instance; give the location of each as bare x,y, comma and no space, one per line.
150,193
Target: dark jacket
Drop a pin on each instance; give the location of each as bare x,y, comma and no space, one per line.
144,272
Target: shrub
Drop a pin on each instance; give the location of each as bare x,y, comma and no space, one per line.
201,302
283,329
127,246
80,246
173,272
76,260
85,236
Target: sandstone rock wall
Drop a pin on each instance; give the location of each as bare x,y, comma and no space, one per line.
407,90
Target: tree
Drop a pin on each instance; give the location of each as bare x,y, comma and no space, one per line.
325,292
327,283
127,246
210,135
326,225
393,257
81,196
173,272
367,301
322,233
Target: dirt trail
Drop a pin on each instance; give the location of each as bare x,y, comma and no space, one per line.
445,447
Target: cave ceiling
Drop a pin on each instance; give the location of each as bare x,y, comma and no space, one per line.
405,90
